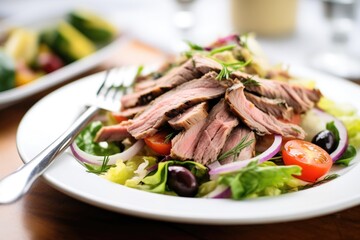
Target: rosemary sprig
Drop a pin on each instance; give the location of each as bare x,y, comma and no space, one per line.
249,81
228,68
99,169
194,46
222,49
237,149
169,137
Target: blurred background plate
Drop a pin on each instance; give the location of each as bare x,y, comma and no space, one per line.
48,17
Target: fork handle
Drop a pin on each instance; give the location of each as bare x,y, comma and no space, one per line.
18,183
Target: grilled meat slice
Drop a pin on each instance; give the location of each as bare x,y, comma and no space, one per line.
275,107
235,137
174,102
111,133
299,98
217,128
257,120
190,117
183,144
130,112
175,77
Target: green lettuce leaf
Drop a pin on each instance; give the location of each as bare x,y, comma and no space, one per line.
85,141
348,155
261,180
347,114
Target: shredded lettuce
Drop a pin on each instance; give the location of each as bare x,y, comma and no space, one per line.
129,173
85,141
348,115
262,180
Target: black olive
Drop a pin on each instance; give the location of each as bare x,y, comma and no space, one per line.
182,181
326,140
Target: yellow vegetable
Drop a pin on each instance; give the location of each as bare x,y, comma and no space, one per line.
22,44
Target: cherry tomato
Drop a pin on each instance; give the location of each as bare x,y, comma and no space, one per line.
314,161
158,143
118,117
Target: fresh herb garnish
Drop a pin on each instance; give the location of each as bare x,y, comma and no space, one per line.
222,49
237,149
99,169
249,81
194,46
228,68
169,137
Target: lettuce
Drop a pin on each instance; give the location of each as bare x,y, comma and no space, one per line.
347,114
265,179
85,141
131,172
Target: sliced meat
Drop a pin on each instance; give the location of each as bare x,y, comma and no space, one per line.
111,133
236,136
146,84
183,144
175,77
299,98
130,112
275,107
256,119
190,117
217,128
174,102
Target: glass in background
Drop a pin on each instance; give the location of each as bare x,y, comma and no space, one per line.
338,59
270,18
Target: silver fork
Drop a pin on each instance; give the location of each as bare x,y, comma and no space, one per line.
14,186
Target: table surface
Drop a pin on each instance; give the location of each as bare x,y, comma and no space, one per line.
45,213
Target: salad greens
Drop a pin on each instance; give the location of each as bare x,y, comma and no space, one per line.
85,141
348,115
266,179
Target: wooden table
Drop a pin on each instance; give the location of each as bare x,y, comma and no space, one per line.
45,213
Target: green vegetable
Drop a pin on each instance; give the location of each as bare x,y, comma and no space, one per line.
68,42
7,72
131,172
347,114
348,155
92,26
85,141
261,180
99,169
22,44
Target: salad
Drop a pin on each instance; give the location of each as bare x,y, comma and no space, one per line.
27,54
219,121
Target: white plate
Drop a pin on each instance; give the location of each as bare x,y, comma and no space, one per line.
42,21
51,115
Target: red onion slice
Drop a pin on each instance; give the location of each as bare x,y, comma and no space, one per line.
343,135
235,166
98,160
220,191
